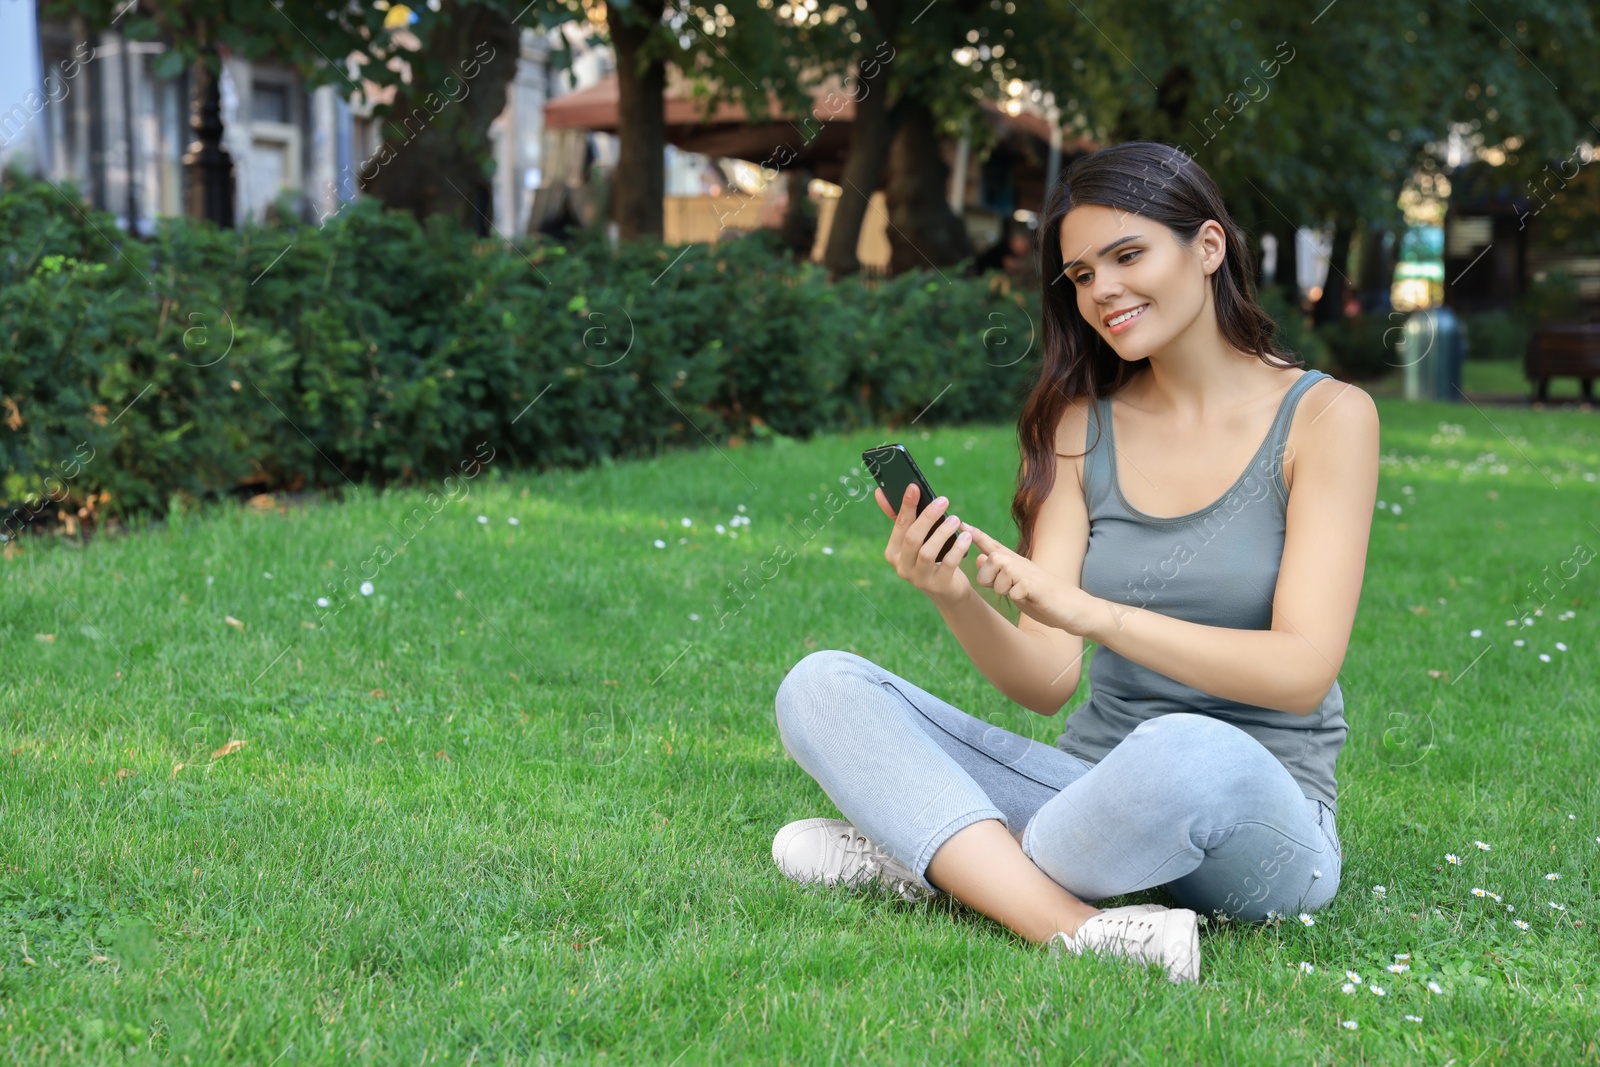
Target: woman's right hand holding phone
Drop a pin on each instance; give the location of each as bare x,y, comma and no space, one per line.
914,543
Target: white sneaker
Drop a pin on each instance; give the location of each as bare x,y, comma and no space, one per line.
1144,932
833,852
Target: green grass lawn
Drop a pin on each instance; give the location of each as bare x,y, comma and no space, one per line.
1497,378
516,805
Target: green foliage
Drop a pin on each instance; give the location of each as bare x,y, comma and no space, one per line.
1362,347
1497,335
205,362
1552,296
1294,328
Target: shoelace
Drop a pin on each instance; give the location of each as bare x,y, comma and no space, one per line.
1120,929
868,856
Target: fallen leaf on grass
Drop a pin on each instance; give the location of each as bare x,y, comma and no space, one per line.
176,767
228,749
1439,674
377,692
48,639
376,740
235,623
126,772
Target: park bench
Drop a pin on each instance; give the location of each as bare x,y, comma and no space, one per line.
1563,350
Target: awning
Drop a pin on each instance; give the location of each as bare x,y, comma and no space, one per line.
729,131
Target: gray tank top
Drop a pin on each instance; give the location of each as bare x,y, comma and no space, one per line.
1218,567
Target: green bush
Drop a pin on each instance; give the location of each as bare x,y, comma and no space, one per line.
1497,335
1294,328
370,349
1361,347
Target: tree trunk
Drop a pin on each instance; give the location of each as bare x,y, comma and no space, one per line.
870,137
923,231
1286,273
436,151
1376,272
640,178
1330,307
799,229
207,166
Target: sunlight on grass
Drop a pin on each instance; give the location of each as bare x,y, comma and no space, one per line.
516,801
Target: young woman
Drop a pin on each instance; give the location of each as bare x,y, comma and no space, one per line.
1220,604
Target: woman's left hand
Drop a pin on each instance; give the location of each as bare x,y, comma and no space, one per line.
1035,591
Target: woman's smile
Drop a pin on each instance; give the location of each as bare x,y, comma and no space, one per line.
1122,321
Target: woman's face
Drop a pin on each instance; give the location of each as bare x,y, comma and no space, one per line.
1119,262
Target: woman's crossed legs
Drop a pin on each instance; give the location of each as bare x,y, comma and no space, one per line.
1184,801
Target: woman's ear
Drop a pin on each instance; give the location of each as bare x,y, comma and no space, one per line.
1213,246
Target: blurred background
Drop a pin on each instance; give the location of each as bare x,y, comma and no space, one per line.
242,162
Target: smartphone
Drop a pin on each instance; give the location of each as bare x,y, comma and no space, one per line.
894,469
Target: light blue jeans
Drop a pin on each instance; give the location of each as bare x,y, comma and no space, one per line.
1185,801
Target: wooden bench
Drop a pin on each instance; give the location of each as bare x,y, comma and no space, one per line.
1563,350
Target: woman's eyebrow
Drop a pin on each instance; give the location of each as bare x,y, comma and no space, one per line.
1107,248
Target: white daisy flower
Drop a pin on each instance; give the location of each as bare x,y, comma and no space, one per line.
366,588
1561,646
1349,1024
1413,1018
1526,621
741,507
1377,990
1552,877
1402,957
267,575
1353,976
1519,642
1478,892
1434,987
1398,968
1477,633
827,550
1544,657
1558,907
322,601
693,617
721,528
1307,920
1510,907
1379,891
1520,924
1395,508
1481,845
513,520
685,521
938,461
1347,988
1451,857
483,520
660,543
209,579
1305,967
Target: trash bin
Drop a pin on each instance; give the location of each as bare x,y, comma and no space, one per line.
1431,349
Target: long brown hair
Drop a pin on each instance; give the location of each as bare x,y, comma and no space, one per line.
1158,182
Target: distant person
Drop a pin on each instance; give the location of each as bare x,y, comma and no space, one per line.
1203,760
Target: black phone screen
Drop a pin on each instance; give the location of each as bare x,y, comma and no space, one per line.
893,469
